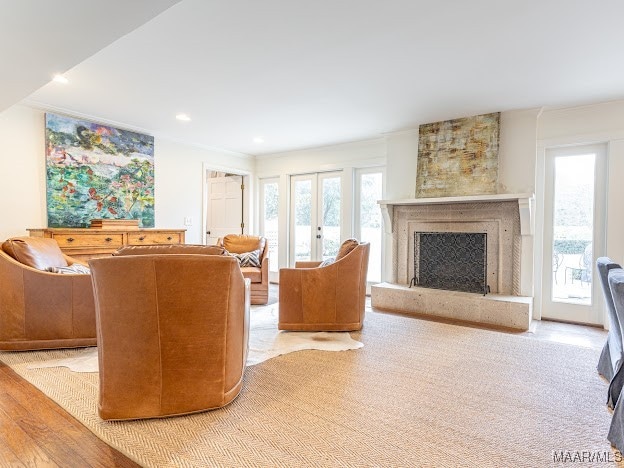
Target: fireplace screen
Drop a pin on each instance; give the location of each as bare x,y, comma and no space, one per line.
456,261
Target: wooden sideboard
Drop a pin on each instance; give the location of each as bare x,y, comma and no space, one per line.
86,243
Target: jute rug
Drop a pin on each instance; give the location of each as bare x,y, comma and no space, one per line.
265,342
418,394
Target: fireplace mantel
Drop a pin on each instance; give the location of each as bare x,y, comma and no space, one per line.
525,207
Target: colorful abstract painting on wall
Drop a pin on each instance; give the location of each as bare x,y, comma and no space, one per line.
458,157
95,171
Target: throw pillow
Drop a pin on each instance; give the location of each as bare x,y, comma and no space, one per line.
327,261
73,269
248,259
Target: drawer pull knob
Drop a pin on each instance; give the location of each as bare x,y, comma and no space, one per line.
142,238
108,239
169,238
70,239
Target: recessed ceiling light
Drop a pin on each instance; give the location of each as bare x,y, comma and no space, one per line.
183,117
258,140
60,79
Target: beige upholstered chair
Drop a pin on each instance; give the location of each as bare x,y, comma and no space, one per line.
39,309
325,298
172,333
259,275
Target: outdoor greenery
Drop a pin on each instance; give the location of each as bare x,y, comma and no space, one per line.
565,246
271,201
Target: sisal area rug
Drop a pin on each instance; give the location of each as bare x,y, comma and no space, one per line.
265,342
419,393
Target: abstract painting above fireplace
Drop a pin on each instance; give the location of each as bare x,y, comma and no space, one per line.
458,157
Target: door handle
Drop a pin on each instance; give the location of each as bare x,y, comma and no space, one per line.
208,232
318,236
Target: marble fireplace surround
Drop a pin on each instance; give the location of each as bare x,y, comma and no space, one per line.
506,218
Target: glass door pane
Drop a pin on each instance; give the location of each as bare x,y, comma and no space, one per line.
269,220
371,190
302,218
574,233
329,230
573,228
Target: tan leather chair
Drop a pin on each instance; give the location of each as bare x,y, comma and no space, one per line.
38,309
259,276
325,298
172,333
170,249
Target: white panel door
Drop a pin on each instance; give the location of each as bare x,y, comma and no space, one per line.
225,207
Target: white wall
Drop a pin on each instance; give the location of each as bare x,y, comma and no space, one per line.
516,159
402,156
178,176
179,182
22,173
328,158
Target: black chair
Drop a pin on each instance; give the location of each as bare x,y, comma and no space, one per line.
616,431
612,353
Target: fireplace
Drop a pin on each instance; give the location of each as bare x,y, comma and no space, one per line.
455,261
502,226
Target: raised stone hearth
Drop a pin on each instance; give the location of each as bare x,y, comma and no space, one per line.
507,220
491,309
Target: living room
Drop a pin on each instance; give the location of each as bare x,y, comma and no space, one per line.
271,99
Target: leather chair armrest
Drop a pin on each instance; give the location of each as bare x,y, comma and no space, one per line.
264,268
246,320
307,264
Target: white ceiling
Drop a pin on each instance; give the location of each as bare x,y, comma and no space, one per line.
311,73
41,38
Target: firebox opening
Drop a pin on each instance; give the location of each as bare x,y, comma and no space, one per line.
455,261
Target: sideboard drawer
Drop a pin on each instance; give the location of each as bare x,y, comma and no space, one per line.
89,240
147,238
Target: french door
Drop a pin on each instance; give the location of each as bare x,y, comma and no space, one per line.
315,216
269,222
369,185
574,233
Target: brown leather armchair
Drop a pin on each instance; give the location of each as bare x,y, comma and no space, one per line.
38,309
325,298
259,276
172,333
161,249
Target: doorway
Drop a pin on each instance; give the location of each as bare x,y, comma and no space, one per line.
574,233
224,211
315,216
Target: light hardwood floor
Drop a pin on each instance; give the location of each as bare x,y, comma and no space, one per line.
35,431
